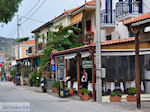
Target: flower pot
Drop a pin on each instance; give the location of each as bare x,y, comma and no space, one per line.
71,92
55,90
131,98
84,97
115,98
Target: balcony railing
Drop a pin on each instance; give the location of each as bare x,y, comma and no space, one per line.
86,38
107,18
124,8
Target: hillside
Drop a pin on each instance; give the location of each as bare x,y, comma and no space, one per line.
6,46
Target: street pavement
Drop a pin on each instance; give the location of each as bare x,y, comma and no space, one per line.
45,102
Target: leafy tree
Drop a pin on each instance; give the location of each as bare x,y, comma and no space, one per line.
23,39
64,38
8,9
36,37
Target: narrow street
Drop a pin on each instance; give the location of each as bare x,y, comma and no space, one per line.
41,102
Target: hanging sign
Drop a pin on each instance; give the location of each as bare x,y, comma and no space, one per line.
61,65
87,64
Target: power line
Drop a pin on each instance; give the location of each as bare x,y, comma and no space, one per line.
32,8
33,19
12,31
22,32
35,11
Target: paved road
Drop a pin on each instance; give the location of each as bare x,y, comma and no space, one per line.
41,102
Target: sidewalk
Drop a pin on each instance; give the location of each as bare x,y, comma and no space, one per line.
144,97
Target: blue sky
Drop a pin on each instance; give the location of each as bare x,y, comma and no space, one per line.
47,12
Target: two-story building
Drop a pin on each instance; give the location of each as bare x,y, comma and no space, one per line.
117,43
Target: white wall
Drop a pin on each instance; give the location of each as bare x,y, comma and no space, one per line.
121,31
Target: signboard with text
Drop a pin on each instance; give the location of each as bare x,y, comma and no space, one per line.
87,64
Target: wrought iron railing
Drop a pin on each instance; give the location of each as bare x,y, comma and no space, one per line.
107,17
123,8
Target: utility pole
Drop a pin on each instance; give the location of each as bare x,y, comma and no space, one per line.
18,25
98,54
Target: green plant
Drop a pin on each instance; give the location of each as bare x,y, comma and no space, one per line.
115,93
32,79
24,72
131,91
55,84
23,39
83,91
8,8
12,73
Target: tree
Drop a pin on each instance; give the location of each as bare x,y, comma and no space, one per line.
7,9
23,39
64,38
36,37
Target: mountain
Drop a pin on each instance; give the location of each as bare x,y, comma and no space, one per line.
6,46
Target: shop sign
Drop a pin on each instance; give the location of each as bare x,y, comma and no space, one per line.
87,64
61,65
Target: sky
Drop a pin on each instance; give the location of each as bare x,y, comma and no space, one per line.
49,10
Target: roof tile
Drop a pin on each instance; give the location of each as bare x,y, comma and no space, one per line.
138,18
29,42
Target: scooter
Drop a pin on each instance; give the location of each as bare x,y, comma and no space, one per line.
44,85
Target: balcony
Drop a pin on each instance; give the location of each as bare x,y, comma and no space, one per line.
128,9
87,38
107,19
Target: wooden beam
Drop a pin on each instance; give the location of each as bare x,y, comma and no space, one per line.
137,71
93,76
78,70
66,68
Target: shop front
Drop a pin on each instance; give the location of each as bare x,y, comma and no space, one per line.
118,62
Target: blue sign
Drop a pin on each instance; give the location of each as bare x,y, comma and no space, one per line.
53,67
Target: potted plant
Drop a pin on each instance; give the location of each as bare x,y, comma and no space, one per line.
71,91
55,86
131,94
115,96
84,94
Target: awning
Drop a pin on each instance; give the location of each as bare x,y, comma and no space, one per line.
85,54
70,56
77,18
128,53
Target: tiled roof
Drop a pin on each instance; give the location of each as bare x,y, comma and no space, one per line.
108,42
92,3
29,42
85,47
138,18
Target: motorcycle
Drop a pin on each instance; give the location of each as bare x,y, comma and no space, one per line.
44,85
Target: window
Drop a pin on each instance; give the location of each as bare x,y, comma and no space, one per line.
108,37
88,25
131,34
27,52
